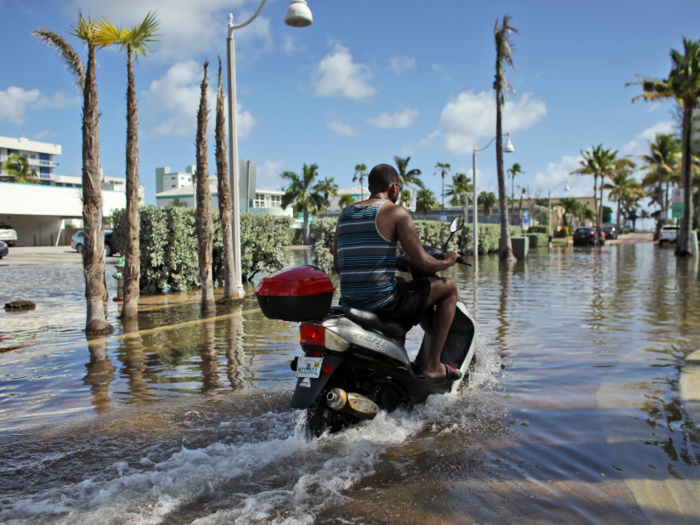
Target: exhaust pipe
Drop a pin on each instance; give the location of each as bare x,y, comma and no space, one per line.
351,403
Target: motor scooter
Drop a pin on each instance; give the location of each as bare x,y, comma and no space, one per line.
355,363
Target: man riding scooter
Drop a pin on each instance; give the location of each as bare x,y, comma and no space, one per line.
365,256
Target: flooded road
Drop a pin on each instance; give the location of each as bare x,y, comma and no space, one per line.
572,415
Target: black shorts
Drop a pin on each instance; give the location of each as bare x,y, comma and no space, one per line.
409,305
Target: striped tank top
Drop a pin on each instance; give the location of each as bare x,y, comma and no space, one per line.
366,260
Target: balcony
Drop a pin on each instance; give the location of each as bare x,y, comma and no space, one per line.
35,162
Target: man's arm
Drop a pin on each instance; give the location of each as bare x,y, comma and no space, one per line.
408,236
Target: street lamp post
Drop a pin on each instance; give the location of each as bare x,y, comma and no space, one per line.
298,14
507,148
549,195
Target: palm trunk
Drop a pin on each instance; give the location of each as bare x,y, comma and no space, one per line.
93,253
506,247
205,230
132,268
305,228
683,242
225,216
599,217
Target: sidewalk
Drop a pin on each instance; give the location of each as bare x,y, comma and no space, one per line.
45,256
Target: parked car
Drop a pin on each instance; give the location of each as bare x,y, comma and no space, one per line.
668,233
4,250
77,242
8,235
587,235
610,232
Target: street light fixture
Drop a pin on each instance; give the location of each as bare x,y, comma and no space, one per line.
507,148
549,195
298,14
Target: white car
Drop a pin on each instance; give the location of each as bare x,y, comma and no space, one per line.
8,235
668,234
77,242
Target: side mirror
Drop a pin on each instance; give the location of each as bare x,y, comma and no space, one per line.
455,226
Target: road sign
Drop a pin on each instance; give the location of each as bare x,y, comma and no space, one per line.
677,195
443,216
677,210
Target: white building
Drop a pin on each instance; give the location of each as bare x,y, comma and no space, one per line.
165,180
266,201
40,155
42,213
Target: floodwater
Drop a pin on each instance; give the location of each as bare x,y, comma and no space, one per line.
572,414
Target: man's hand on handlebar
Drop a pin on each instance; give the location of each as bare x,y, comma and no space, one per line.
451,258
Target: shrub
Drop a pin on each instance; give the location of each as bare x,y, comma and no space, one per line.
323,231
538,240
168,244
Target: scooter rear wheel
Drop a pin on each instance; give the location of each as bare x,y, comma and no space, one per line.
319,418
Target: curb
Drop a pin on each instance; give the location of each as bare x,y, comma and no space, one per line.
689,386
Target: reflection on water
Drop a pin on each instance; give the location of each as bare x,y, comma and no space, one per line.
572,414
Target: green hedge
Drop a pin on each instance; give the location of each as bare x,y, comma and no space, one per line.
168,243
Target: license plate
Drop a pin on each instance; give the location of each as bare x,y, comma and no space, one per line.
309,366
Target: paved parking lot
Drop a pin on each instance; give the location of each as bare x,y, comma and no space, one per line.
45,256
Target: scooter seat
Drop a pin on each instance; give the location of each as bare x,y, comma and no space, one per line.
368,318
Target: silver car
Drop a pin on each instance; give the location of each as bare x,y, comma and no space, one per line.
8,235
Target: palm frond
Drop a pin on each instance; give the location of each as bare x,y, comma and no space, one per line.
70,56
142,34
84,29
107,34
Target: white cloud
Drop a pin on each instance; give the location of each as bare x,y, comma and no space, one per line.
292,45
400,119
15,101
402,63
342,129
187,28
174,98
640,144
43,134
472,116
556,176
268,175
337,75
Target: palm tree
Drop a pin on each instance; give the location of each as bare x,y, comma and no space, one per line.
460,191
624,189
409,179
662,167
405,198
93,252
360,174
513,171
225,203
425,201
682,85
345,200
135,41
18,168
571,207
205,228
301,192
443,168
589,166
504,55
329,189
488,201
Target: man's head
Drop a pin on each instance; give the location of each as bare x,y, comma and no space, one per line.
384,178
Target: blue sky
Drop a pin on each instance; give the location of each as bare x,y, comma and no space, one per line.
368,81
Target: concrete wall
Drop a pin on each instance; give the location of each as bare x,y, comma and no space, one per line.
39,213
